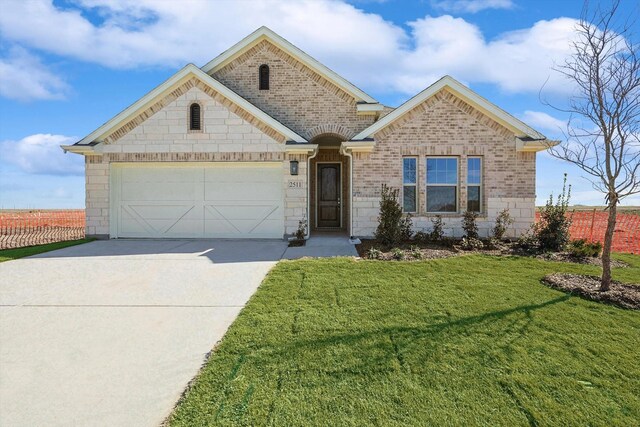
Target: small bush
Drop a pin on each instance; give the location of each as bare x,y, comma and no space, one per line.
494,243
374,253
503,221
421,237
437,234
397,254
582,249
552,230
469,225
416,252
389,229
406,227
528,243
302,229
471,244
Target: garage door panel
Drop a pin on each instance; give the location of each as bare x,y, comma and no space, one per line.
199,201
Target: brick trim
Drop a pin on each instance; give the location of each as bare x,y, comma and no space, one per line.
181,90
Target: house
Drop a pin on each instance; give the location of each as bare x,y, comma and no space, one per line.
264,136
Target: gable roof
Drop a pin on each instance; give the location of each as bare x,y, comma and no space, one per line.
264,33
185,73
521,130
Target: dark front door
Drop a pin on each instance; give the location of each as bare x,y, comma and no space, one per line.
328,195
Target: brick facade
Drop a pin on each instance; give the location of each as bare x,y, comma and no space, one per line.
444,125
314,107
298,97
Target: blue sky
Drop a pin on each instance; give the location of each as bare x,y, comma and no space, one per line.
66,67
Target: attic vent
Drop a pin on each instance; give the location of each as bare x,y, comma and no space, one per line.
264,77
194,117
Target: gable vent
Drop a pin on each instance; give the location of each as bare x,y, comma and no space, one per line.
194,117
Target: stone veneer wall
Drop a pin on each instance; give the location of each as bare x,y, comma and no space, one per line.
444,125
298,97
164,137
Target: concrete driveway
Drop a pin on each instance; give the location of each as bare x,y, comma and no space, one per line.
110,332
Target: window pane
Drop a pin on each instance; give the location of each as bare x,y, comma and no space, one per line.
473,198
473,170
441,199
409,198
442,171
409,171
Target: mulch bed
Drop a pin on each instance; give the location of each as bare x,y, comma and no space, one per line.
619,294
566,257
426,251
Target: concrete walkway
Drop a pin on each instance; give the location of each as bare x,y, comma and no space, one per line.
323,245
109,333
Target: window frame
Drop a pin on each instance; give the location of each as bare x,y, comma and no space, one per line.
190,118
427,185
267,83
414,184
479,185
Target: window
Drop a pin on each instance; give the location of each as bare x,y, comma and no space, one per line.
264,77
474,184
442,184
194,117
409,180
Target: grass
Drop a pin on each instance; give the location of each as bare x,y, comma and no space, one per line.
11,254
473,340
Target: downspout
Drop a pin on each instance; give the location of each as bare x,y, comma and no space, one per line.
306,237
350,156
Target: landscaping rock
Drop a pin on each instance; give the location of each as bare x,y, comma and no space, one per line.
620,294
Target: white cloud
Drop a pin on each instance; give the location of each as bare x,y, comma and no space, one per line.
544,122
24,77
471,6
41,154
375,54
517,61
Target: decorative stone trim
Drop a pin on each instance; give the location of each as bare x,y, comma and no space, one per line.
330,129
194,157
444,96
181,90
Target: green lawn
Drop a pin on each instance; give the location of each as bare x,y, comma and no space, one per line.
473,340
11,254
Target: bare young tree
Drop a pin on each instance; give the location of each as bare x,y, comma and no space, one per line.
603,131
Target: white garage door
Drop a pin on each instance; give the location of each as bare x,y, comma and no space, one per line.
229,200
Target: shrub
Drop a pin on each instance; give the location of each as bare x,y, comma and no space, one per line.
421,237
389,229
437,234
374,253
469,225
397,254
416,252
528,243
503,221
406,227
302,229
552,230
471,243
582,249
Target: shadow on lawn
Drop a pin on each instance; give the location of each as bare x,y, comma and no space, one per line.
375,354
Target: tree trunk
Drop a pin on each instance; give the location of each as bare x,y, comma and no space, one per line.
605,282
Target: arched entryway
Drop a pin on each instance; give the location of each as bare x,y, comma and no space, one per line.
329,186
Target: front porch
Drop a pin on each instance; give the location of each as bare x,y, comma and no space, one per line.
329,188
